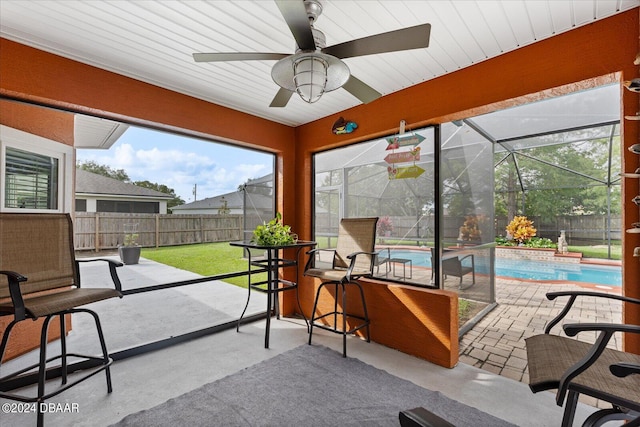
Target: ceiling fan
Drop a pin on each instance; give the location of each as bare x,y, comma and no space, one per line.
316,68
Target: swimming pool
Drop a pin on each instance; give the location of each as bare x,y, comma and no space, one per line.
532,270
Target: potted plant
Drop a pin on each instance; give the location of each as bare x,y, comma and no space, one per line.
274,233
129,251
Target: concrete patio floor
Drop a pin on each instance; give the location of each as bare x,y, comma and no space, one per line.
490,377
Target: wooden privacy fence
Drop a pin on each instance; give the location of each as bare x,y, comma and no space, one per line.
579,229
99,231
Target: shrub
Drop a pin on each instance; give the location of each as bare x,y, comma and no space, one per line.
521,229
384,225
534,242
540,242
470,229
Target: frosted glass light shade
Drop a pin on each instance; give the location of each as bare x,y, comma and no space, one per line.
310,77
310,65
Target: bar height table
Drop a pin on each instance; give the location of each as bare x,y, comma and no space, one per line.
272,262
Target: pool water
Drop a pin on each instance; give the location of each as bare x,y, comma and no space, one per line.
532,270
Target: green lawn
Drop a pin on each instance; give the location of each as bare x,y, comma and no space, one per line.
598,251
207,259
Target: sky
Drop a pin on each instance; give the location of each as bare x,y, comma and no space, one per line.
181,163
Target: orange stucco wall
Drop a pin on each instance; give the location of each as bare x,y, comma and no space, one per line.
47,123
25,336
421,322
600,49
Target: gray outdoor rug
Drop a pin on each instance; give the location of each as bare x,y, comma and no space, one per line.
307,386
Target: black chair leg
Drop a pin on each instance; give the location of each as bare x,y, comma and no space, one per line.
103,346
340,326
364,310
42,369
335,307
570,409
344,318
63,349
313,312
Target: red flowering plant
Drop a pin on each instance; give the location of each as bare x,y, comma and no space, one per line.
385,226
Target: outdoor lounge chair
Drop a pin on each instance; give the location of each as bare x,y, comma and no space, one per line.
39,278
353,258
452,266
574,367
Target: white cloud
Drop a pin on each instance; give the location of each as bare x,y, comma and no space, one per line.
177,169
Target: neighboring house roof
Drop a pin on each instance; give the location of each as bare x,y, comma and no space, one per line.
234,200
92,183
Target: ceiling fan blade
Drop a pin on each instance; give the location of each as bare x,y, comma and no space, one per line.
361,90
282,98
393,41
237,56
295,14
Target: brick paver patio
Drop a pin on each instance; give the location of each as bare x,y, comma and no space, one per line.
496,343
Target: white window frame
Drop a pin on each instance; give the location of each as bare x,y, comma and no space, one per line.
14,138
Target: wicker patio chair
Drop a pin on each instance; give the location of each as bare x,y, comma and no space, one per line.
574,367
354,257
39,278
452,266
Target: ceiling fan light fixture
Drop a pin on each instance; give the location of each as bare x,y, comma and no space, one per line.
313,69
310,77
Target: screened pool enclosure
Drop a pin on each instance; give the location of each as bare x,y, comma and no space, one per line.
442,192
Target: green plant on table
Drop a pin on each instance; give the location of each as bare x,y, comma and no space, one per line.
274,233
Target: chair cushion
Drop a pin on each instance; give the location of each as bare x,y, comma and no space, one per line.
549,356
44,305
326,274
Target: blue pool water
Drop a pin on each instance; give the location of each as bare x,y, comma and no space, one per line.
533,270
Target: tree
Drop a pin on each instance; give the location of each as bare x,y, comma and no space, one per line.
560,178
163,189
104,170
121,175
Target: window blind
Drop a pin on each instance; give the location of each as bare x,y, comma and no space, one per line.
31,180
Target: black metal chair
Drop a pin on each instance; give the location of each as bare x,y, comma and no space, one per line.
39,278
354,257
574,367
452,265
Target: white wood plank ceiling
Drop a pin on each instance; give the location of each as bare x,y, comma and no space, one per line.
153,41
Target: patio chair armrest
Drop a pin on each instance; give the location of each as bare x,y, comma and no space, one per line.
12,275
112,270
573,295
353,256
16,295
572,329
311,260
624,369
607,331
469,256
